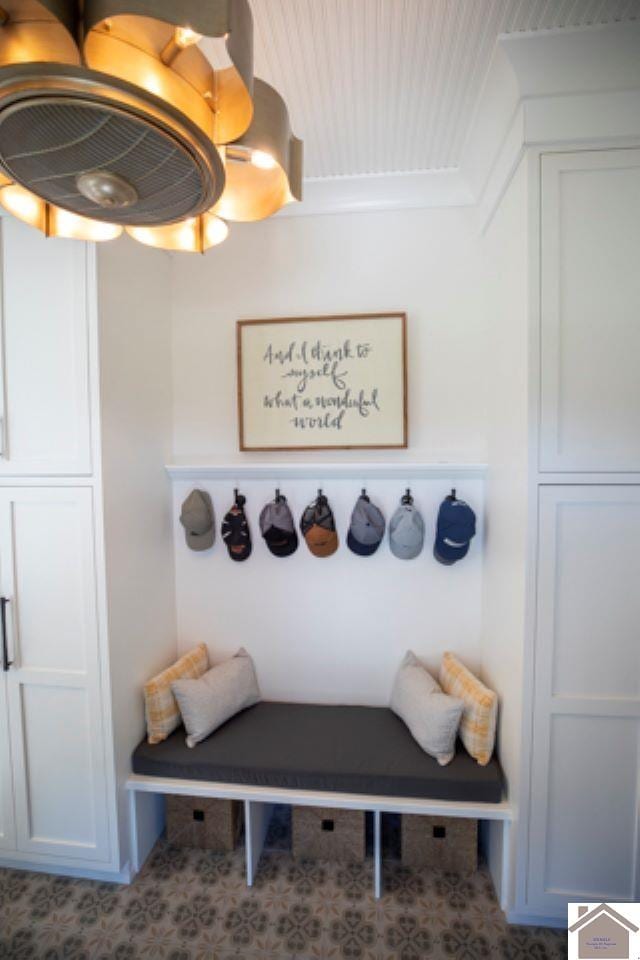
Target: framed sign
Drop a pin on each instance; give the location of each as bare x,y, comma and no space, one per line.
307,383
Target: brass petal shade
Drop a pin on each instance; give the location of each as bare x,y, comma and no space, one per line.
119,114
38,31
128,39
264,166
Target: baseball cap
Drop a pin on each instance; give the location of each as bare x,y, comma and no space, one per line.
319,528
366,529
406,531
196,516
235,530
278,528
455,530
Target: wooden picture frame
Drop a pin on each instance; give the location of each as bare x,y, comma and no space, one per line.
335,382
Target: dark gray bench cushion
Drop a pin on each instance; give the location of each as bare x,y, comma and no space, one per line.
310,747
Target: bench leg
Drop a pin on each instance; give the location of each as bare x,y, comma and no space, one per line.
377,854
146,823
256,823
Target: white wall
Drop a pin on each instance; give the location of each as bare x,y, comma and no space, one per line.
334,629
423,261
329,630
135,344
505,253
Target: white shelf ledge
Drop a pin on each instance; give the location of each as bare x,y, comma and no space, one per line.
319,471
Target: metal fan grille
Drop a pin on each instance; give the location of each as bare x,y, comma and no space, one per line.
44,145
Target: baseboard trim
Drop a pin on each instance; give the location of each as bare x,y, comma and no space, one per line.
124,876
532,920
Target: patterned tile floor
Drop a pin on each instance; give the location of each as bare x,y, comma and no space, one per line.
194,905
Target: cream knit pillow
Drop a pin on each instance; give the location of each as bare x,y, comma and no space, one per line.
220,693
431,715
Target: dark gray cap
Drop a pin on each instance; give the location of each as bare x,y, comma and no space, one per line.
197,519
406,532
366,529
278,528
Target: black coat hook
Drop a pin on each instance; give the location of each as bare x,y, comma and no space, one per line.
452,495
407,500
364,495
277,495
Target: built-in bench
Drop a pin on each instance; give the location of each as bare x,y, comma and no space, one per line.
319,755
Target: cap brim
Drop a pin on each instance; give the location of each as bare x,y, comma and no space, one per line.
200,541
286,547
243,555
449,555
362,549
324,549
403,552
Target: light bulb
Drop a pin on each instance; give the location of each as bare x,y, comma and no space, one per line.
182,38
186,37
24,205
262,160
191,236
214,231
62,223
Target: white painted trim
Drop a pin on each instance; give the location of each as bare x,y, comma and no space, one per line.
99,559
62,870
398,190
377,854
256,824
531,920
317,471
313,798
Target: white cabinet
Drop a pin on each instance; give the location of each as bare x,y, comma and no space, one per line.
44,355
48,573
590,310
580,812
82,519
583,828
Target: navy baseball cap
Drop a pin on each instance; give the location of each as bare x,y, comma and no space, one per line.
455,530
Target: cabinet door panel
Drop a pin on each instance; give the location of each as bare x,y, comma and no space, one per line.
57,769
55,701
590,303
46,415
583,829
7,831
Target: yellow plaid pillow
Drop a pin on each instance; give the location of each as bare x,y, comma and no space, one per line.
161,707
478,724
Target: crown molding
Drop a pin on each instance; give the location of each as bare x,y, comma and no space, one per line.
553,87
392,191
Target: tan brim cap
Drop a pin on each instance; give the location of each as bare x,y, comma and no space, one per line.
321,542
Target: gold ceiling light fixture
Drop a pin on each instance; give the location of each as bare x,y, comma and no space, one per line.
139,114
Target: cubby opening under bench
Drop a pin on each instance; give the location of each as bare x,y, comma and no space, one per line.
342,757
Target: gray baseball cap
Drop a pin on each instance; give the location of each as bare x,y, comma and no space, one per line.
197,519
278,528
366,529
406,532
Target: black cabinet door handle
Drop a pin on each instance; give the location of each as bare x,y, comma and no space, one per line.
6,663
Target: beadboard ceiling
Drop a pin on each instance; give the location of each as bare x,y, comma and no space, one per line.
390,86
